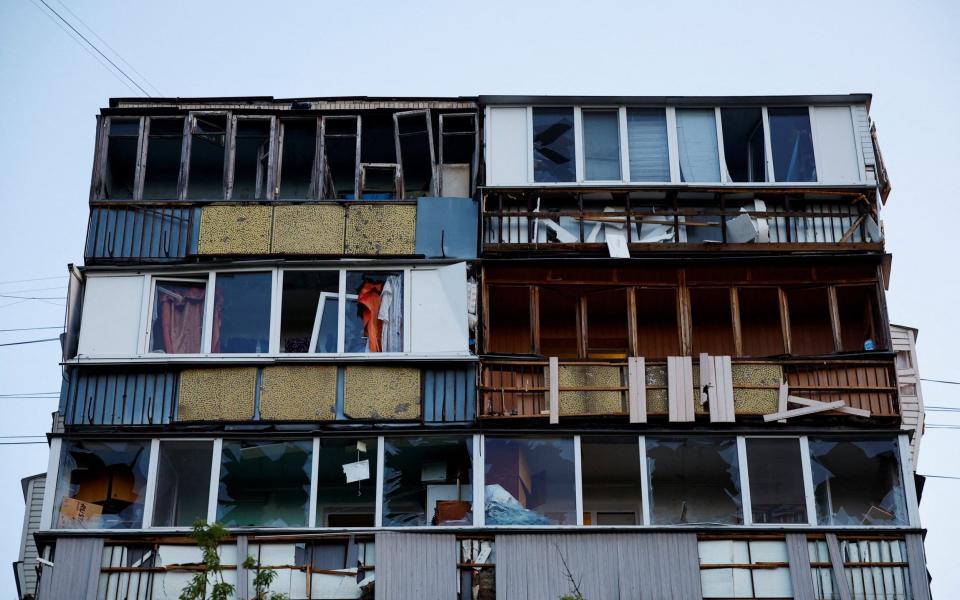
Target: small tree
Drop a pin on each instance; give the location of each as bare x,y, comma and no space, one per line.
575,593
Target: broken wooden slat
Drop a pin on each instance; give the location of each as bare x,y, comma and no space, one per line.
723,377
806,410
554,390
836,564
782,399
680,386
637,381
847,410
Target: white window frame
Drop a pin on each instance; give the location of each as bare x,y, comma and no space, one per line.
804,470
580,142
153,478
147,318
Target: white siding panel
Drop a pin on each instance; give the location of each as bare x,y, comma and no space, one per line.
110,325
837,159
507,146
439,312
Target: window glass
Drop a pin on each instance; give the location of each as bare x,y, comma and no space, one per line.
241,313
347,483
119,172
697,144
251,161
792,144
530,481
553,145
162,175
374,312
178,307
183,483
743,144
297,160
428,481
265,484
744,569
309,311
694,480
208,152
857,482
776,481
647,144
611,481
101,485
601,144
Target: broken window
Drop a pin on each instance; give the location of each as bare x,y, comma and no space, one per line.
607,324
162,174
647,144
791,142
476,564
208,151
298,158
380,181
265,483
658,333
101,485
601,145
553,145
428,481
341,152
414,139
743,144
776,481
611,481
559,319
760,330
309,311
241,313
347,483
857,308
810,330
120,170
509,319
183,483
458,144
744,569
858,482
874,569
251,162
712,321
374,311
694,481
529,481
177,316
697,144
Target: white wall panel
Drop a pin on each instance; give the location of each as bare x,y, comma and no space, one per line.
507,146
112,307
439,311
837,158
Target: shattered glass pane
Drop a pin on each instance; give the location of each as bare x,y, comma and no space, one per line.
776,480
427,481
265,484
553,145
694,481
530,481
858,482
101,485
346,488
183,483
611,480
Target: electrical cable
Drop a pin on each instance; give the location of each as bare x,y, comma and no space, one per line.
31,342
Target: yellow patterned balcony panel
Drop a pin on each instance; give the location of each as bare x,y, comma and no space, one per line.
381,393
217,394
374,229
308,229
235,229
299,393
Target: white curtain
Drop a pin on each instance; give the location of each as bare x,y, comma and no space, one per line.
697,141
391,314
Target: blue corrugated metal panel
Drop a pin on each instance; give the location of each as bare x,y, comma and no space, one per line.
449,395
119,398
135,233
446,227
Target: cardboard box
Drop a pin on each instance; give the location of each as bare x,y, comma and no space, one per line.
77,514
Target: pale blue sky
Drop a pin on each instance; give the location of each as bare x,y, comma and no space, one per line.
905,53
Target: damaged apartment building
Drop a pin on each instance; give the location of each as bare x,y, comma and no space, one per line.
490,347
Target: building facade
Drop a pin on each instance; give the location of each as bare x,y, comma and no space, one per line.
493,347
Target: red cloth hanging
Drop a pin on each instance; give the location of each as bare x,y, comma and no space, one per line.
368,303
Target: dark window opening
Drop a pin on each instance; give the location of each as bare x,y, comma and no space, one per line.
298,158
760,330
309,310
241,313
265,484
658,332
611,481
347,483
694,480
810,330
529,481
162,176
415,147
340,155
859,318
776,481
183,483
559,323
607,328
251,164
509,320
458,144
791,141
553,145
123,141
377,142
379,182
743,144
476,565
712,322
208,151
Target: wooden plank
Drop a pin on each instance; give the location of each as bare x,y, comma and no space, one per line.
637,380
847,410
807,410
680,388
554,390
723,372
841,589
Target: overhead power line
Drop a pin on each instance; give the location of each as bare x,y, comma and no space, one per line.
31,342
940,381
31,328
33,297
32,279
